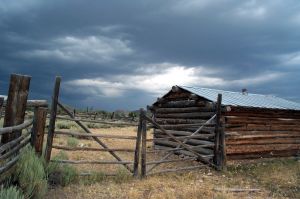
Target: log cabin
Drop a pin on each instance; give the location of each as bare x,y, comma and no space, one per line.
254,125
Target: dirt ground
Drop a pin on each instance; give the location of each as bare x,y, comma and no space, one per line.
274,179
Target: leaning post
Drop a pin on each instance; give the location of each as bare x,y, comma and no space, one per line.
53,112
138,146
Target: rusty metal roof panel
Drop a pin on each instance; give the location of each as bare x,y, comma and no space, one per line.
245,100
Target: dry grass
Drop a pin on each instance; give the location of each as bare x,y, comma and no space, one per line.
276,179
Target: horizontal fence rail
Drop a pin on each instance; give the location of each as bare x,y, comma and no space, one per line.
19,127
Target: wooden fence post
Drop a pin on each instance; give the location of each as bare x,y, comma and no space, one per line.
1,104
144,147
16,104
223,158
138,146
53,112
217,133
38,130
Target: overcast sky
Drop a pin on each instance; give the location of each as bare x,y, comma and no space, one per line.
125,54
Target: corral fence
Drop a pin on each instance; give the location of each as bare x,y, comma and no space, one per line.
100,139
142,158
18,132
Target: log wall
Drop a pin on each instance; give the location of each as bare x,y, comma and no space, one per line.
256,133
181,114
250,132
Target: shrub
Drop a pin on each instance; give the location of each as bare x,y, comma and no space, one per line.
122,176
61,174
30,174
72,142
10,193
94,177
63,125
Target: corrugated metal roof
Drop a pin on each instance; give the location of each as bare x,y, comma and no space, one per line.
246,100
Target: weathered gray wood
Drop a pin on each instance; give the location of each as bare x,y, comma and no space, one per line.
96,139
98,121
182,103
163,137
217,133
202,158
13,150
53,113
180,143
177,121
138,146
184,110
90,149
33,103
198,149
144,145
186,115
1,105
19,127
16,104
9,164
13,143
38,129
95,135
91,162
223,158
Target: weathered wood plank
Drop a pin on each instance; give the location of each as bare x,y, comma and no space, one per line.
90,149
16,104
38,129
52,121
77,134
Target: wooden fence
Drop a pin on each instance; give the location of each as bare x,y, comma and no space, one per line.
181,147
131,166
18,132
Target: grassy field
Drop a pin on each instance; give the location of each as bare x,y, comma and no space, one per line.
275,178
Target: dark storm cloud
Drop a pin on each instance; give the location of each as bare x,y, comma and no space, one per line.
106,47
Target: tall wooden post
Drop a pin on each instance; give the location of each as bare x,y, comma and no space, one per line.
16,104
144,147
53,112
217,133
38,131
1,104
223,158
138,146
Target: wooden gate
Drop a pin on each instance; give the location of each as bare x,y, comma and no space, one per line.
100,139
181,151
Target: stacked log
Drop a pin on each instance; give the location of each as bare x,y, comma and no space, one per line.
181,114
256,133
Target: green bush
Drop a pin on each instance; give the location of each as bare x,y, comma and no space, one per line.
61,174
10,193
30,174
72,142
94,177
122,176
63,125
